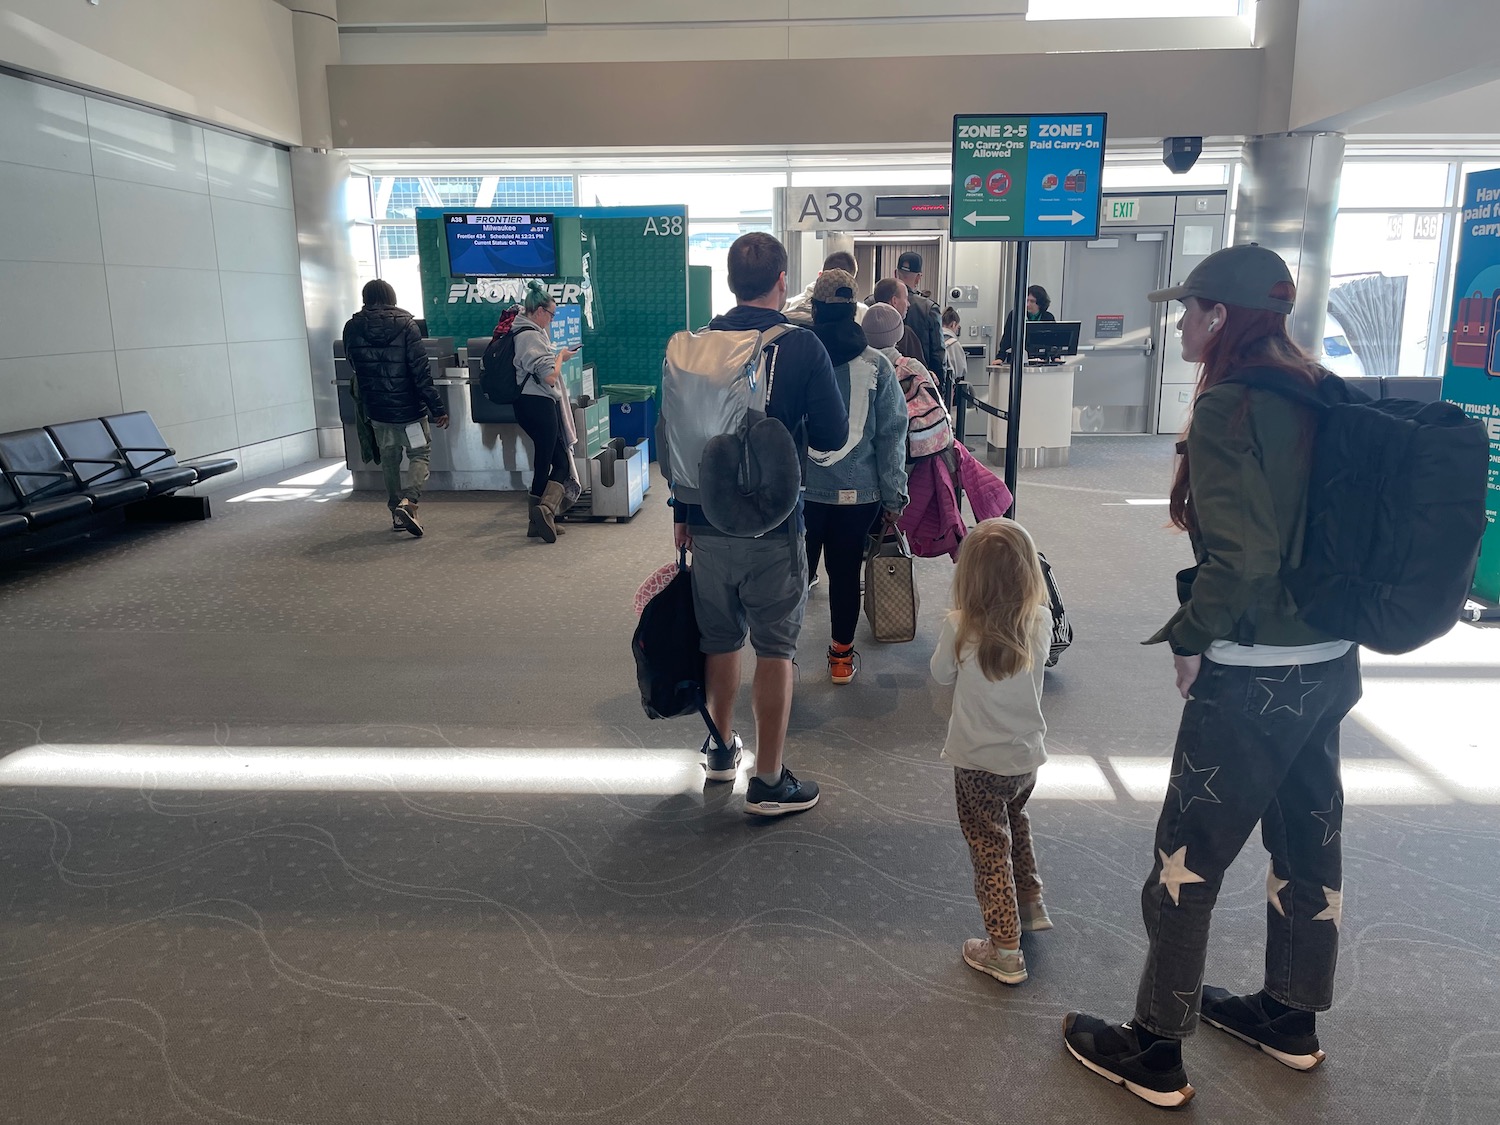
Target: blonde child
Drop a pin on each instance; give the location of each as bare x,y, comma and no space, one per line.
993,649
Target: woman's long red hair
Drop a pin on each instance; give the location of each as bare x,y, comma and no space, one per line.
1249,338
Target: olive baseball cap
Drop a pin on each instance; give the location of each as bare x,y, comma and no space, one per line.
1237,275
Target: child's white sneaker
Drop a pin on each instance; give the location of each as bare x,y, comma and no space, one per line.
1034,916
1006,965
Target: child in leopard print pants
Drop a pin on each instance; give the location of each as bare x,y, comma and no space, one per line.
993,649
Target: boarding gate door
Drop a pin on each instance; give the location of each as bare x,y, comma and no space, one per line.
1106,282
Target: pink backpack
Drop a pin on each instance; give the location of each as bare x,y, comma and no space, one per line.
928,428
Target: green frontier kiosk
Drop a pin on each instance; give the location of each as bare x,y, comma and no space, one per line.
1018,177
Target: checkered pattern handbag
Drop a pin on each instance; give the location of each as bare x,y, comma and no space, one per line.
891,600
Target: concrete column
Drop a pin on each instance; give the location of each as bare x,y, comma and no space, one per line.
1288,201
330,285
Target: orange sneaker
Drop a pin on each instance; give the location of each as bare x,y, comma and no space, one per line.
842,665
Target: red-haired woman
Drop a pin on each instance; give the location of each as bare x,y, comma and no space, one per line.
1259,738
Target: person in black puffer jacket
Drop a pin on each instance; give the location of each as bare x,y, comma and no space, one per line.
384,346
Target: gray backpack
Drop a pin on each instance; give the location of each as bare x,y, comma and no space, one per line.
719,450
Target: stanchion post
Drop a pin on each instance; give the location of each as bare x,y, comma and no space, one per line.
1017,367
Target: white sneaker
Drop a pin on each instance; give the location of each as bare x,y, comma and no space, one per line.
1006,966
1034,916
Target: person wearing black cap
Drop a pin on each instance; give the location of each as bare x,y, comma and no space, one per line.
1265,691
922,315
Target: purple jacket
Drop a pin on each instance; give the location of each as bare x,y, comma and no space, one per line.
933,523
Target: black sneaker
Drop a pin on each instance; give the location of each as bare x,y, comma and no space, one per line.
406,515
1154,1074
722,764
1290,1039
787,796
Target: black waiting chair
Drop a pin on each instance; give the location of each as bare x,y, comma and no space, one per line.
88,440
39,471
136,436
13,521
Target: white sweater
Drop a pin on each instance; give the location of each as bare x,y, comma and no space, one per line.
996,725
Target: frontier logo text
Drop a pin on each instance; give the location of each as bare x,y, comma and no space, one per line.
510,289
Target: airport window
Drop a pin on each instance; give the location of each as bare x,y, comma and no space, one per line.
1128,177
399,263
1394,185
873,177
708,195
1385,268
398,197
708,245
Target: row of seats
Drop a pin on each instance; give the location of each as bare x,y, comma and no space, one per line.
52,474
1421,388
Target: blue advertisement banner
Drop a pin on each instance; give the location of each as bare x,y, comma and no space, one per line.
1471,378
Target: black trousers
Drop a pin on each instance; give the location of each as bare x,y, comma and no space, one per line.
1255,744
541,418
840,533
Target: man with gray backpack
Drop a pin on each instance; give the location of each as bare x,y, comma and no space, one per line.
740,404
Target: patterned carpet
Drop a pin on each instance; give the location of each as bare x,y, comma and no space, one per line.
303,821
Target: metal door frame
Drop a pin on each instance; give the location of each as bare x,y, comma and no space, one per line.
1158,320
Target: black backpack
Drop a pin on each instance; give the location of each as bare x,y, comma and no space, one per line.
669,664
1395,513
498,376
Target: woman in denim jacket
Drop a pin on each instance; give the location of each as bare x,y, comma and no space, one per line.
852,488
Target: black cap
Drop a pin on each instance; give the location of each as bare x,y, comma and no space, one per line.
910,262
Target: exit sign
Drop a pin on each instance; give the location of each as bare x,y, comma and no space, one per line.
1122,210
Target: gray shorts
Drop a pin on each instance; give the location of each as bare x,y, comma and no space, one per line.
757,586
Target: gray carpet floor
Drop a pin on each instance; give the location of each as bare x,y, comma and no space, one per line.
305,821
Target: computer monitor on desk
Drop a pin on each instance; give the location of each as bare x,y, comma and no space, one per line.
1047,340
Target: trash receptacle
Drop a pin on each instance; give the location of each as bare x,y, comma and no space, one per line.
632,414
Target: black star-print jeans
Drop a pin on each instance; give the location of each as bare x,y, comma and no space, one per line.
1255,744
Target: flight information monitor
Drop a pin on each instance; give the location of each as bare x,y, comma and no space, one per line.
501,245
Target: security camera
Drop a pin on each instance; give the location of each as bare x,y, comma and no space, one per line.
1181,153
955,294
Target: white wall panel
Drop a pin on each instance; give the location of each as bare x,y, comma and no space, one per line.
57,388
269,373
146,148
253,238
263,306
52,309
232,62
297,449
261,458
201,438
273,422
113,294
145,225
43,126
177,385
164,308
243,169
55,219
